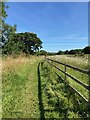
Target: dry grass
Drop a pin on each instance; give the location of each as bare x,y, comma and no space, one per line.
20,87
80,62
11,62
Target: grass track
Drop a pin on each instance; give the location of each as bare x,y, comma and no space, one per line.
32,90
20,88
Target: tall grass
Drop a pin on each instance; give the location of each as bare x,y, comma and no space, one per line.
0,86
21,92
20,87
58,99
79,63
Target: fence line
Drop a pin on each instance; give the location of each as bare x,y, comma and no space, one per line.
74,90
75,79
75,68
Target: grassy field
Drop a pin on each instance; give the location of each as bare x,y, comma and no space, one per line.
20,87
79,62
33,90
58,99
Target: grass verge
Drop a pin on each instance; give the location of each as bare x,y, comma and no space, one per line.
58,99
20,87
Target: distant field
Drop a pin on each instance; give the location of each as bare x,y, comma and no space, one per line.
33,90
78,61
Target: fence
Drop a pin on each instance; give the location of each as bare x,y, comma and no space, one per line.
75,79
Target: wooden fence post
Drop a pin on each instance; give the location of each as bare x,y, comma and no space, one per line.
65,72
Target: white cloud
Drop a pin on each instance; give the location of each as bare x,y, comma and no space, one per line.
71,37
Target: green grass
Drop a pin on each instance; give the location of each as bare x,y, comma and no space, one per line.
20,88
59,101
32,91
79,63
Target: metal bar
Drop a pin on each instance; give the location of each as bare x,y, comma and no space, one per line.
75,68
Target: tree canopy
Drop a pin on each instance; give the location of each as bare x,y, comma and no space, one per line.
23,42
13,42
6,29
86,50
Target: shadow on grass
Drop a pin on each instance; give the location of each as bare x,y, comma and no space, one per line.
41,107
57,107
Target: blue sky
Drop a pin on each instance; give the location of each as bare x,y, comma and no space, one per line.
61,26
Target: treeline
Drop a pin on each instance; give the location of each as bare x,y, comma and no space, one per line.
85,50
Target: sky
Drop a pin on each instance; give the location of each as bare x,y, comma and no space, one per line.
60,25
48,0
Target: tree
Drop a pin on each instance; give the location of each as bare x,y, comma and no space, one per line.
22,42
66,52
15,43
75,51
59,52
86,50
42,52
7,32
6,29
